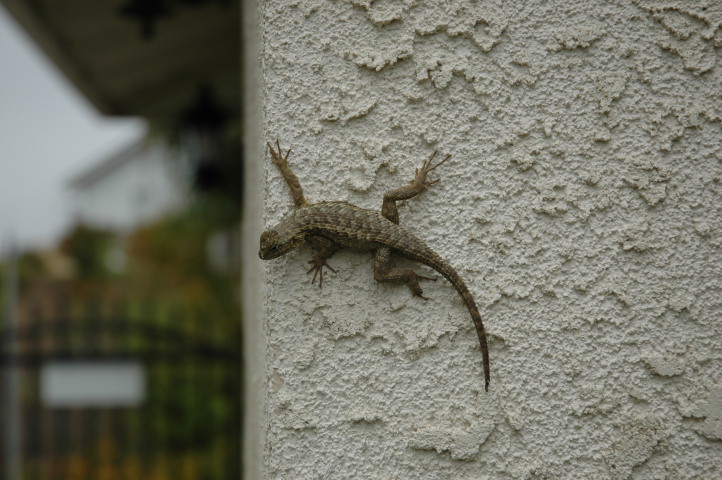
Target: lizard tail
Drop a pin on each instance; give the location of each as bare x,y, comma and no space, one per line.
454,278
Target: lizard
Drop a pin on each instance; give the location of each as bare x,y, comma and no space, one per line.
329,226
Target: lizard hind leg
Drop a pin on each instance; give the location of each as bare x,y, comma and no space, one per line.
383,272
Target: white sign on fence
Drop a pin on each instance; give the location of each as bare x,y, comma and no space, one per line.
92,384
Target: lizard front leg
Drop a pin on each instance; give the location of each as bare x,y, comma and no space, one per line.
325,248
294,185
418,185
384,272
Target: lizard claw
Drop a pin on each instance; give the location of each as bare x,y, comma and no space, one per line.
426,168
414,285
433,279
278,157
427,164
317,264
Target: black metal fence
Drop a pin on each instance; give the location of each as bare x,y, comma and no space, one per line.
184,422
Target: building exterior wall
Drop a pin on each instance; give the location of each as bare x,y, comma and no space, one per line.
582,206
137,190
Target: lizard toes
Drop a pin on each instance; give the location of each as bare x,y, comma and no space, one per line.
317,269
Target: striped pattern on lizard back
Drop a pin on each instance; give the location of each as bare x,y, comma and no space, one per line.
359,228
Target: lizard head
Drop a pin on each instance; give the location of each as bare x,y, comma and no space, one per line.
273,245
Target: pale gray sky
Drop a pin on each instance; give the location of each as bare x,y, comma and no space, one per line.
48,133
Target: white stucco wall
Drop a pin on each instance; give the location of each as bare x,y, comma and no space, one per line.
582,206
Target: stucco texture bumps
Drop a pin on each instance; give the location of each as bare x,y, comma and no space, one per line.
582,206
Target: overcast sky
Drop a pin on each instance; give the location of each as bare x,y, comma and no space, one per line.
48,133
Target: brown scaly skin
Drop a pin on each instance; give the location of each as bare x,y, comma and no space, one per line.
328,226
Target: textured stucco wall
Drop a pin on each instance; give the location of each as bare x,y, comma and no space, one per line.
582,207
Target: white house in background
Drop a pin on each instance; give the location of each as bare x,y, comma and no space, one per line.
132,187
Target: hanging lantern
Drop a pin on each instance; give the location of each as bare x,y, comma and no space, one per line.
147,12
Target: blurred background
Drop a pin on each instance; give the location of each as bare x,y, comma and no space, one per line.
120,201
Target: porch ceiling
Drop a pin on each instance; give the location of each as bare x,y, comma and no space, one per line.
121,73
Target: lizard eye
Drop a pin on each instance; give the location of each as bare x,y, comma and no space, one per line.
269,245
269,239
